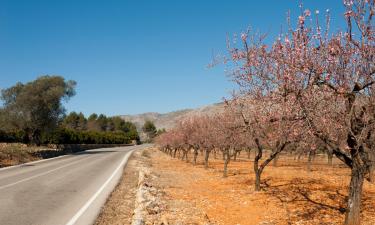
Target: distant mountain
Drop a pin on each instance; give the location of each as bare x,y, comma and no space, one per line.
169,120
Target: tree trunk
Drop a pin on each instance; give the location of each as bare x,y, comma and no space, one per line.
248,153
309,160
174,154
259,169
258,173
372,168
226,162
353,211
195,156
182,154
235,155
299,157
206,155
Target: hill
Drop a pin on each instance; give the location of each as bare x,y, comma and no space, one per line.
169,120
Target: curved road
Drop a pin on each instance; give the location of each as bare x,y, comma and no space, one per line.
65,190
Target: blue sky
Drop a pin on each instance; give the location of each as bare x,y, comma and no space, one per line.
134,56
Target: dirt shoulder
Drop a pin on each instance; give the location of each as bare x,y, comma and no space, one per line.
120,205
155,205
187,194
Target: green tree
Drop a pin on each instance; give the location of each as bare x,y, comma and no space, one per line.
102,122
93,117
160,131
82,122
76,121
36,107
92,123
149,129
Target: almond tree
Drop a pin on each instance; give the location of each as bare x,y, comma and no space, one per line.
265,123
226,131
316,70
205,135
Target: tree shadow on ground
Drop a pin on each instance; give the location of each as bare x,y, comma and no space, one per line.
308,200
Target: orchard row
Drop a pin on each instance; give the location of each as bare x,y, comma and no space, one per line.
312,88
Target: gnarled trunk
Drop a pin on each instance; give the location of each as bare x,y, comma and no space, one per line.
258,172
257,180
353,210
259,169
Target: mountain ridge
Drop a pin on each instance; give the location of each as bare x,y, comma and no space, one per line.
170,119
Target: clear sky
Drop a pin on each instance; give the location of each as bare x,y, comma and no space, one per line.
133,56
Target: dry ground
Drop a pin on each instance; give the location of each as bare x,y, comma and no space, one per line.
120,205
16,153
193,195
291,195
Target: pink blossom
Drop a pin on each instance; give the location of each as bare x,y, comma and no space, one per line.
348,2
286,40
307,13
348,13
301,19
243,36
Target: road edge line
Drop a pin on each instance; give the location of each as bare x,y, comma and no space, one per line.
33,162
44,160
82,210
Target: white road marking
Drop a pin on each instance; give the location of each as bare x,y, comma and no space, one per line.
32,163
74,219
41,174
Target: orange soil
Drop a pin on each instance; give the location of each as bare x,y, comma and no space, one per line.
291,194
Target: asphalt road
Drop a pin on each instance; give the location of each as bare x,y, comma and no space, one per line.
66,190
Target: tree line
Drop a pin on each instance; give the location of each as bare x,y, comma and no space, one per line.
311,90
33,113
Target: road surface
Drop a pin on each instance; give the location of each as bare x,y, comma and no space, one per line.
66,190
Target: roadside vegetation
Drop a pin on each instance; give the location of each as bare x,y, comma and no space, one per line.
311,92
33,113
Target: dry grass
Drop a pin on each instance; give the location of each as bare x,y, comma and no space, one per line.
291,194
14,154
